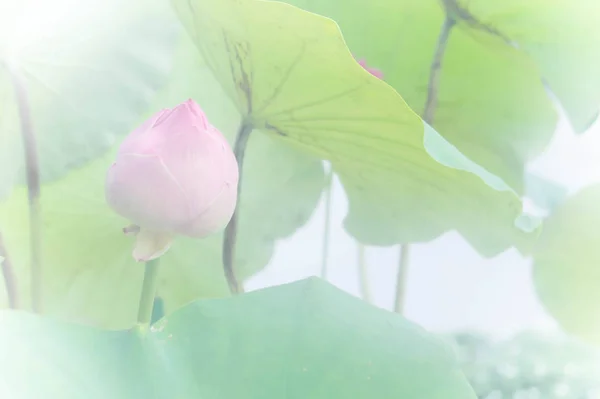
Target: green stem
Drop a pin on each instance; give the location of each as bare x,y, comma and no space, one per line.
33,189
230,237
363,277
401,279
435,69
327,227
149,288
428,116
9,277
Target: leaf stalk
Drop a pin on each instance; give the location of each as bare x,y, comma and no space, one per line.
8,274
230,237
33,188
327,225
428,116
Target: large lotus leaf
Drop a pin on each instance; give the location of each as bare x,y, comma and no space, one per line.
88,271
88,67
302,340
566,269
491,102
562,37
291,75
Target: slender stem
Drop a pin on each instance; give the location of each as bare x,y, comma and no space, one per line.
229,240
363,276
33,190
435,69
401,279
428,116
149,287
9,277
327,226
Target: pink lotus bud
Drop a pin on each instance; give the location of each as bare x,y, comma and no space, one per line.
373,71
174,175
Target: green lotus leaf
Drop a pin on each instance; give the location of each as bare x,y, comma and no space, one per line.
566,262
291,76
302,340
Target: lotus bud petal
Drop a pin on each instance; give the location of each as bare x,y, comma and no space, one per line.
174,175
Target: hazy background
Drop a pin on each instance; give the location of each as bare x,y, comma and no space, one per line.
450,287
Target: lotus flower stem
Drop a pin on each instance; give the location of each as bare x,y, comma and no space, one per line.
33,189
428,116
327,226
9,277
229,239
149,287
363,276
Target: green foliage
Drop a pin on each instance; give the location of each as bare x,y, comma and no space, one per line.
566,271
562,37
89,273
302,340
87,80
491,102
289,74
295,80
